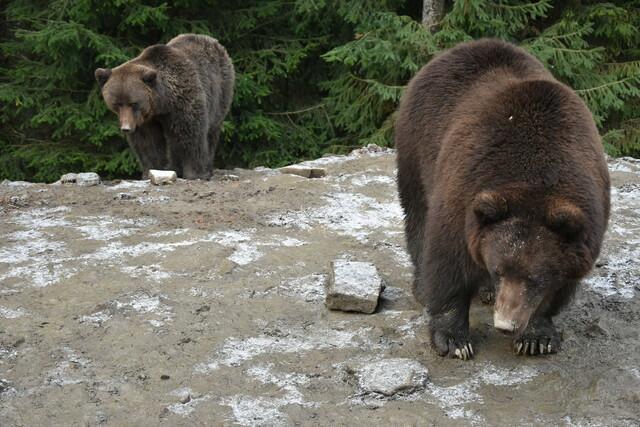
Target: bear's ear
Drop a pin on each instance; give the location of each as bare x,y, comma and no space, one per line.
149,77
489,207
565,218
102,75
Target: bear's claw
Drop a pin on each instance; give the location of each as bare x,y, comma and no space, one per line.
454,347
540,337
534,347
466,353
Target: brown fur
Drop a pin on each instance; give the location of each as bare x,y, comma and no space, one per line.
501,173
171,101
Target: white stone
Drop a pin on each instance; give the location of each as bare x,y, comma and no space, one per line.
391,376
353,286
304,171
68,178
159,177
88,179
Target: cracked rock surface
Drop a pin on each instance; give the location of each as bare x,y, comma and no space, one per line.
203,303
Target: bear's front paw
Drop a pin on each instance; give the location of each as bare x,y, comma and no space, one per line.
454,345
539,337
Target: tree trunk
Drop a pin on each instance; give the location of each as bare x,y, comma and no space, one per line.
432,13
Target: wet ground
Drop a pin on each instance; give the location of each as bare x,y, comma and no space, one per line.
202,303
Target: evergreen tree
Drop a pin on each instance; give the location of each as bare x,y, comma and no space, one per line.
313,76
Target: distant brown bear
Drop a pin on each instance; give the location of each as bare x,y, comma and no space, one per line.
171,101
503,182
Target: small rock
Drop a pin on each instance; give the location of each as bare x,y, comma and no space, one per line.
68,178
353,286
304,171
184,397
164,377
124,196
391,376
230,177
87,179
159,177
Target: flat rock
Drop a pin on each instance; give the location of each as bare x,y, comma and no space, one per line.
353,286
391,376
159,177
88,179
304,171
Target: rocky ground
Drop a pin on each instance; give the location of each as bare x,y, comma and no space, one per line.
202,303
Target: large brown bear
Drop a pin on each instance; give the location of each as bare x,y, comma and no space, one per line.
503,182
171,101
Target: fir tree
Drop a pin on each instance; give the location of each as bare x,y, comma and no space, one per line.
313,76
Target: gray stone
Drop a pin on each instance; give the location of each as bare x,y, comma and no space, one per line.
184,396
353,286
392,376
304,171
88,179
158,177
68,178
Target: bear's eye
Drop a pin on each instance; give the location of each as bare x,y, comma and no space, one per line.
135,106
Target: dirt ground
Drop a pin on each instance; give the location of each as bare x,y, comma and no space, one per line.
202,303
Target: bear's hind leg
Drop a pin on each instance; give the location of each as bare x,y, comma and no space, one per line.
187,152
413,201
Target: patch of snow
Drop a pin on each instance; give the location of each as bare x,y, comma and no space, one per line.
349,214
371,151
30,245
452,399
42,271
130,185
310,288
97,318
250,411
245,253
246,244
69,370
618,275
152,272
9,313
176,232
186,408
236,351
106,227
367,180
35,219
143,303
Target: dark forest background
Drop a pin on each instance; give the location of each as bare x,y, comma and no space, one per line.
313,76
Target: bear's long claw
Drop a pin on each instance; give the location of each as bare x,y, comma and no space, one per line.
520,344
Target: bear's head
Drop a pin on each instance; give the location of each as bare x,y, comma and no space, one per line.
128,91
535,252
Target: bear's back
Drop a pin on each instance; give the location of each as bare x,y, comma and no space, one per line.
214,68
434,93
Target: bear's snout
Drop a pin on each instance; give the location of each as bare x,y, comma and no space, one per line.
502,323
512,310
127,119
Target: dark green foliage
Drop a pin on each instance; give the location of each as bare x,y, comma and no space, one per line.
313,76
